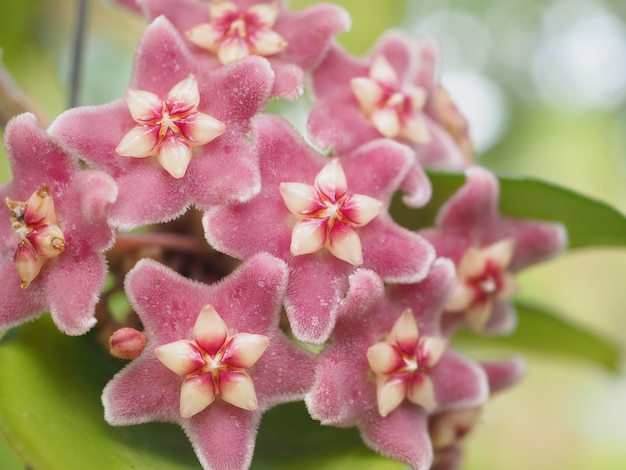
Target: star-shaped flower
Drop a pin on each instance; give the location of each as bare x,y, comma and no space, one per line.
178,123
215,360
380,375
328,214
318,280
488,248
223,31
390,93
168,127
53,232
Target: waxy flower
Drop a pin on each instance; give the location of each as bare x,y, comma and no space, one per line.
234,32
386,373
214,363
53,229
315,189
328,214
488,248
390,94
41,238
176,126
207,364
168,128
483,278
394,110
220,32
401,364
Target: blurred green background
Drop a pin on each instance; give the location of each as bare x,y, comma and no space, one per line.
543,84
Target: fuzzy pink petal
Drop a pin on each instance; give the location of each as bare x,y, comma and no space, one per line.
402,435
458,382
223,436
504,373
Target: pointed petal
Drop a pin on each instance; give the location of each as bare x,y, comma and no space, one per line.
381,71
390,392
331,180
308,236
344,242
267,42
236,388
28,264
421,391
462,298
143,105
39,207
232,50
300,198
200,128
218,9
361,209
184,96
210,331
266,13
368,93
383,358
244,349
47,240
404,332
386,122
431,349
204,36
196,393
139,142
472,263
415,130
478,315
174,156
418,96
181,357
501,252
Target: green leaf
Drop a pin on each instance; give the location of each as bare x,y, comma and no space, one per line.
51,412
540,331
289,439
52,416
589,222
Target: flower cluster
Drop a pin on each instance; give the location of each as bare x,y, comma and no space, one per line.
306,233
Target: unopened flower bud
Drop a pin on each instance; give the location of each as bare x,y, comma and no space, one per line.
127,343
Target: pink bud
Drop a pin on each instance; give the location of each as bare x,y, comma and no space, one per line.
127,343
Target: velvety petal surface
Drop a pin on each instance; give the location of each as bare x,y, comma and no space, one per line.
344,391
81,199
318,280
308,34
248,300
222,171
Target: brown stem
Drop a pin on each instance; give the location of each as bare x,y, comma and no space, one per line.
163,240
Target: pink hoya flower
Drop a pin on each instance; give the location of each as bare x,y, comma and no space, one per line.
391,93
215,359
180,136
449,428
223,31
53,232
324,217
488,249
388,368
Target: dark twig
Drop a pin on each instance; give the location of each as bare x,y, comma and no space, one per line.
77,52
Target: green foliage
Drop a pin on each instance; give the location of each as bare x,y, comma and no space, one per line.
543,332
589,222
